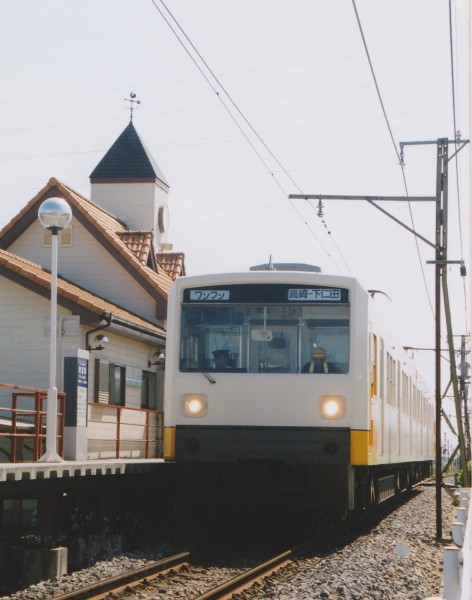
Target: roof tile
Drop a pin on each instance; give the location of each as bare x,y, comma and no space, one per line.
173,263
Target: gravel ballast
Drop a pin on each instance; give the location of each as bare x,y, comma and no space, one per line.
371,567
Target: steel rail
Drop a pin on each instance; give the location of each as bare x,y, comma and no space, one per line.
96,590
102,589
249,577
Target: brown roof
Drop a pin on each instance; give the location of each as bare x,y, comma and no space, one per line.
21,269
173,263
128,247
139,243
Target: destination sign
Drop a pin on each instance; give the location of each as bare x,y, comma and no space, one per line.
209,295
314,295
263,293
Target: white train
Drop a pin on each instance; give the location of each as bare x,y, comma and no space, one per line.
279,382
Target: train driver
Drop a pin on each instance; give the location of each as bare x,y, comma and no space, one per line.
221,360
318,363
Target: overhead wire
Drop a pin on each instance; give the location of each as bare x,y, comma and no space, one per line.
400,161
245,120
456,162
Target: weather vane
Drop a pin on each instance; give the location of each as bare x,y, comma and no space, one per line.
131,104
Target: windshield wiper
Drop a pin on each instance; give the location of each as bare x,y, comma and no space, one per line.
207,375
202,371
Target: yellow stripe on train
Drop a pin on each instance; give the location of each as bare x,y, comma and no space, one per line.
360,447
169,443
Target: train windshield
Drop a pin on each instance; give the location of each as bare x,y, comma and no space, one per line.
295,337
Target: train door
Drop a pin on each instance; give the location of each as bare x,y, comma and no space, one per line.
373,347
399,408
411,393
423,422
382,395
391,403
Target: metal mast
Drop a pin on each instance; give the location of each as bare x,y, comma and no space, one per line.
440,262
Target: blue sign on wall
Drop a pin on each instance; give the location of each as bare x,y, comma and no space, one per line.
75,387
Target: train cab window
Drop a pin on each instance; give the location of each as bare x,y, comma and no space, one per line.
258,338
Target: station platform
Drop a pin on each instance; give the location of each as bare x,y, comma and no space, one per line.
41,470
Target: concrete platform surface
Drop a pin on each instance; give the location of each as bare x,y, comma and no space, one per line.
41,470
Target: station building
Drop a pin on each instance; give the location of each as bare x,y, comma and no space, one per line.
115,270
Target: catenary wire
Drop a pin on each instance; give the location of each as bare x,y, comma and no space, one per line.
456,162
239,112
400,162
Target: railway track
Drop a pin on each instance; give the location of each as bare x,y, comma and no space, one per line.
215,583
188,564
251,576
101,589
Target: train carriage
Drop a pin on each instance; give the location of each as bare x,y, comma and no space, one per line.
279,382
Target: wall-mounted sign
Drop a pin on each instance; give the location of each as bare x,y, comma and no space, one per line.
75,386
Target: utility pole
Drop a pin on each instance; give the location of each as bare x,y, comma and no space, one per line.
464,378
440,262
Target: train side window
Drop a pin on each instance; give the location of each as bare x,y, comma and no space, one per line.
406,385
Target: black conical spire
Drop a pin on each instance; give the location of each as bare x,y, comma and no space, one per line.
127,160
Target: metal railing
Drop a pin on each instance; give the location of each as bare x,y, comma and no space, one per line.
23,424
116,431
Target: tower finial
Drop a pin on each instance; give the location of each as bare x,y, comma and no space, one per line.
131,104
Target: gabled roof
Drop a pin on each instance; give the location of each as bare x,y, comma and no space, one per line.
127,160
105,227
71,296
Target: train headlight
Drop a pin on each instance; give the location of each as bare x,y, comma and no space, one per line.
332,407
194,405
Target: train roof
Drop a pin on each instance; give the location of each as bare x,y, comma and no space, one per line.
286,267
272,275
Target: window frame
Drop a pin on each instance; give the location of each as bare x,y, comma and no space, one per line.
106,390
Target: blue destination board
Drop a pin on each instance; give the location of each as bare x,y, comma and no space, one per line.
272,293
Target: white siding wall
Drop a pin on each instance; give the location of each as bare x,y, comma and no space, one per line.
89,265
24,351
24,361
136,204
128,353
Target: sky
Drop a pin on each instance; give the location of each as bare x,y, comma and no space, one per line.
313,123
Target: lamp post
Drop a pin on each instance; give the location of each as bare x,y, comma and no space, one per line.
54,214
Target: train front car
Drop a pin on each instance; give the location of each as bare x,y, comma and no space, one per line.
268,393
